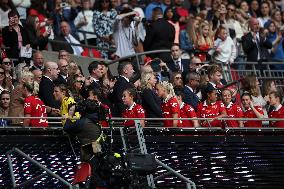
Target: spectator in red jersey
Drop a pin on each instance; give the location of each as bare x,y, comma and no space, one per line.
275,99
251,111
133,110
211,108
186,111
33,106
170,106
233,110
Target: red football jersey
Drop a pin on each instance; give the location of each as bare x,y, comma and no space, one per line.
250,114
135,111
205,110
233,111
186,111
108,115
278,113
36,108
170,107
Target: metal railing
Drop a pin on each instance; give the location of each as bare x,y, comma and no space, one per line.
36,163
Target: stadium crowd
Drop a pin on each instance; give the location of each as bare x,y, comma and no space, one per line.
188,82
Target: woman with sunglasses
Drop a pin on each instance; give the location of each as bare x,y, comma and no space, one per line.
176,81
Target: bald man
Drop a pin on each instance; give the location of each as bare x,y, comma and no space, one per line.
66,38
256,44
46,86
63,72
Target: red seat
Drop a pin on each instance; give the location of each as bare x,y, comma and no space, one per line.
82,173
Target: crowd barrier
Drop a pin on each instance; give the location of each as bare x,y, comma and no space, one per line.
211,157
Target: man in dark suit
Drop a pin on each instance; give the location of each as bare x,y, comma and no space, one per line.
255,44
96,73
63,72
38,61
125,71
66,37
159,35
177,64
46,86
192,80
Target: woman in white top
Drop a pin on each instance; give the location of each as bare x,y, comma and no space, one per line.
265,13
5,7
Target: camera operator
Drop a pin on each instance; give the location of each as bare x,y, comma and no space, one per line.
89,132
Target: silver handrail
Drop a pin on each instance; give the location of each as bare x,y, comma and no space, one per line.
36,163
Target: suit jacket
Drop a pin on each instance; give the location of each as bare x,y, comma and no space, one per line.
10,39
190,98
184,63
251,50
56,46
116,96
160,35
151,103
46,88
60,80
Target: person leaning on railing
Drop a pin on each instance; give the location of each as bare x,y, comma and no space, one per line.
275,99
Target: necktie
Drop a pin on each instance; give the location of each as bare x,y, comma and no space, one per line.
177,66
74,47
261,57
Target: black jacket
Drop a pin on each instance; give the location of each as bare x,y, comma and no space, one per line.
159,35
116,96
10,39
151,103
60,80
46,88
251,50
57,46
190,98
36,42
184,63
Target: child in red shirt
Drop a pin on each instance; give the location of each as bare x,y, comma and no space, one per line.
251,111
233,110
186,111
274,99
170,106
133,110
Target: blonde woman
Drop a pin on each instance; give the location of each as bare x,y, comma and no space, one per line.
170,105
187,37
150,101
205,40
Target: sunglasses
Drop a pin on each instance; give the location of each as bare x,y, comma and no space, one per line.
79,81
233,10
177,77
7,63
